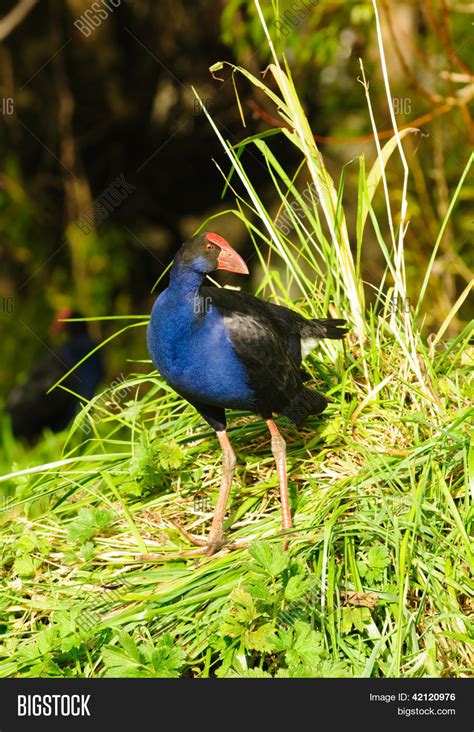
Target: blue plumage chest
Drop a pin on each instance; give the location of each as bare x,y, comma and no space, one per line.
189,345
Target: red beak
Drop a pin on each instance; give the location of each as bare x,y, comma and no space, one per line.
228,258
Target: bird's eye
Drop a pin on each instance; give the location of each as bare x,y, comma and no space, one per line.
209,247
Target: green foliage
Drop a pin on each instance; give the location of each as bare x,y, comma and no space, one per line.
153,465
54,650
371,563
354,617
90,522
141,660
268,561
297,29
262,628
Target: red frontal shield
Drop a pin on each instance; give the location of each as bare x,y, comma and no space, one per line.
228,258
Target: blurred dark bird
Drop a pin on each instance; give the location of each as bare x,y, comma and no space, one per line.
222,349
30,407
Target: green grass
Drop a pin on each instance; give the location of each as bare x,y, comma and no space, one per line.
374,584
376,579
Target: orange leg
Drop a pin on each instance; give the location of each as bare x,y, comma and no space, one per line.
216,540
216,535
279,453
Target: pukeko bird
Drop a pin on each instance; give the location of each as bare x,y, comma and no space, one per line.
30,407
223,349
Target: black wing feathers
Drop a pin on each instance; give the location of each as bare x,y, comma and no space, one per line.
262,344
267,339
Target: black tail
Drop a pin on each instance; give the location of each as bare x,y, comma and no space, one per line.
329,328
306,402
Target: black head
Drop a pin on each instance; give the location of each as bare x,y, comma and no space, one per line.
207,252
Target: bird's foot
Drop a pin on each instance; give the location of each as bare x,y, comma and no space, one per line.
192,538
207,547
196,554
215,543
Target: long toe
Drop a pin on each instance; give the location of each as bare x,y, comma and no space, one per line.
214,543
192,538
